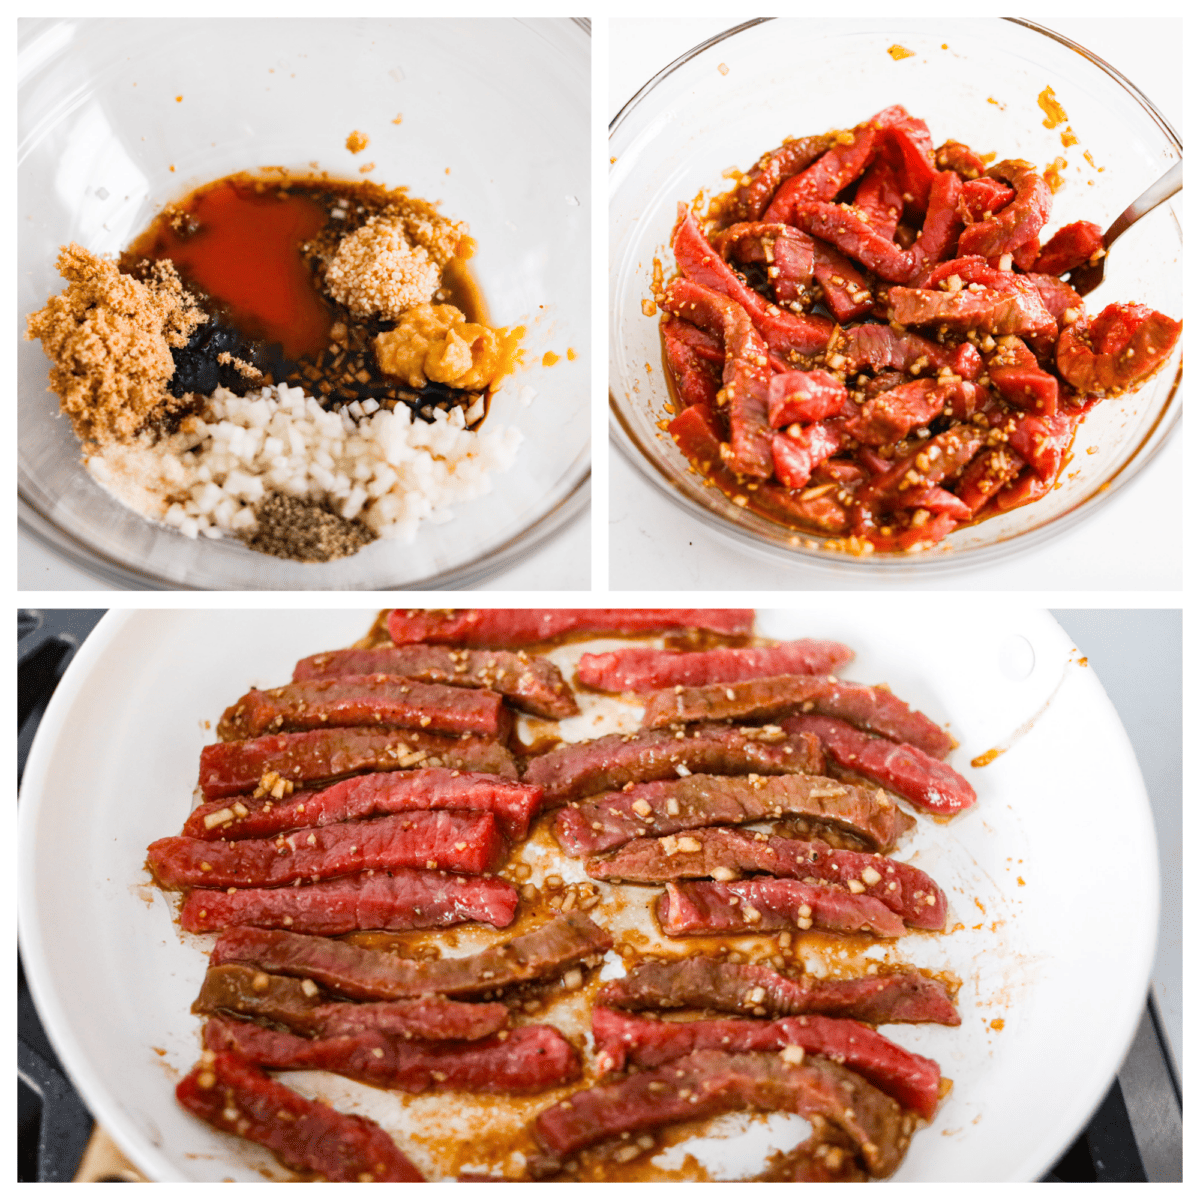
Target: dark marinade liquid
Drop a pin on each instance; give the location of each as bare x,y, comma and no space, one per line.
249,248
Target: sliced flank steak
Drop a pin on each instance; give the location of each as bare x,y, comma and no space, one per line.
695,801
512,628
874,709
910,1079
470,843
762,904
725,854
708,1082
638,669
320,755
405,899
607,763
902,996
527,681
362,974
305,1135
529,1059
926,783
373,701
300,1006
513,804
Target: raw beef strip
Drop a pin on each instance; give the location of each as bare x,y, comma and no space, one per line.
305,1135
383,701
655,809
529,1059
405,899
230,768
513,804
708,1082
362,974
762,904
644,670
470,843
299,1005
874,709
607,763
751,989
511,628
529,682
909,1078
930,785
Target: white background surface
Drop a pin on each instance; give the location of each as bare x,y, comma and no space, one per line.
1134,543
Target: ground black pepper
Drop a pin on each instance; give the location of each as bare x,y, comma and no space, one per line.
304,531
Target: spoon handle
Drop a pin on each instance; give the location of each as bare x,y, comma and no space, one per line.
1152,197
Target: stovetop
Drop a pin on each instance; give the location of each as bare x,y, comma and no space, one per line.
1134,1136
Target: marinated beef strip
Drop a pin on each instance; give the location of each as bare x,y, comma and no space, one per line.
231,768
923,781
708,1082
512,628
469,843
645,670
305,1135
405,899
762,904
910,1079
383,701
874,709
695,801
605,764
514,805
903,996
301,1007
529,1059
528,682
725,854
361,974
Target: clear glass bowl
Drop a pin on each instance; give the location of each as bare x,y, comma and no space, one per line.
739,94
103,143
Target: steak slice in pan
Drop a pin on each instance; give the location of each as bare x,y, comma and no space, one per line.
543,953
527,681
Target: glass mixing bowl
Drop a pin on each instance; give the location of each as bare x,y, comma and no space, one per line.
977,81
494,125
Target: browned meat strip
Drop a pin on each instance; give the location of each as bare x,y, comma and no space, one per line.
513,804
543,953
923,781
305,1135
230,768
750,989
405,899
763,904
455,841
299,1005
645,670
872,708
529,1059
655,809
909,1078
607,763
710,1081
527,681
511,628
384,701
724,854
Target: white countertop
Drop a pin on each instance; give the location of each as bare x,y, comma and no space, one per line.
653,544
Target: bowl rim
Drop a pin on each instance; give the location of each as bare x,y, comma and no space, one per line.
63,543
934,562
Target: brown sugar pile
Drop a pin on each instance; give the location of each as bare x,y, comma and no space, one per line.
109,338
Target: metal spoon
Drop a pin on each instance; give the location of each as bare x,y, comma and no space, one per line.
1087,278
